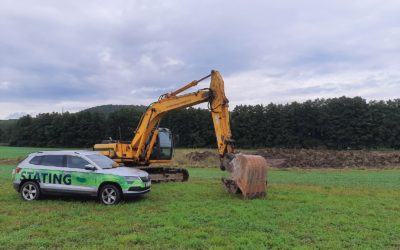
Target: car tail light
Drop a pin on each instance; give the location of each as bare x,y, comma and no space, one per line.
17,170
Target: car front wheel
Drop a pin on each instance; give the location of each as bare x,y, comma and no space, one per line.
110,194
30,191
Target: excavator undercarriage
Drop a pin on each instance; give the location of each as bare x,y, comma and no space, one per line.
166,174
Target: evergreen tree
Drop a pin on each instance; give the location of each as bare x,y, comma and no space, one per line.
337,123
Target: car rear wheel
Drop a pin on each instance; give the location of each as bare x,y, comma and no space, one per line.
110,194
30,191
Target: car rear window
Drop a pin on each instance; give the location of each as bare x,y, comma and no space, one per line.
36,160
52,160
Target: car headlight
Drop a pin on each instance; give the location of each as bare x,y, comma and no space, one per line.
132,178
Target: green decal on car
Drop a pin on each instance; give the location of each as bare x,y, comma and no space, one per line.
77,178
45,177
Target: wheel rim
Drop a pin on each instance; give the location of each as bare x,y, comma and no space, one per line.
29,192
109,196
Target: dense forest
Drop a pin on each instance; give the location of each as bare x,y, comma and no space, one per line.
336,123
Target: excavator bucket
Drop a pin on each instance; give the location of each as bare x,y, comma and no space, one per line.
248,176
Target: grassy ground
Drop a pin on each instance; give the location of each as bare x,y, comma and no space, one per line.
332,209
19,152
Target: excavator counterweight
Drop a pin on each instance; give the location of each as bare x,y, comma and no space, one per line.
152,145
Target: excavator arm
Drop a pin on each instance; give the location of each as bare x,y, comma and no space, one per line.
215,95
151,119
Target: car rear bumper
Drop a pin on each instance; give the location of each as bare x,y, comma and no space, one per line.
16,186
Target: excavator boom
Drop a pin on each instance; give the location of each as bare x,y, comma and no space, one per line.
150,144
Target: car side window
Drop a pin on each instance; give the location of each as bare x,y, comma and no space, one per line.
36,160
52,160
76,162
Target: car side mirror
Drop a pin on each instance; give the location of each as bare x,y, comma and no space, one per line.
90,167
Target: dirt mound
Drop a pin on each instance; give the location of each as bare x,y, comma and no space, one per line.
196,156
309,158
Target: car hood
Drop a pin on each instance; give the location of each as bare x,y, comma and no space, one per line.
125,171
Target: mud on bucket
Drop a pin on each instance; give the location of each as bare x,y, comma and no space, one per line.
248,176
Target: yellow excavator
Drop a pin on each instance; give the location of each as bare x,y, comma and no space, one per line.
153,145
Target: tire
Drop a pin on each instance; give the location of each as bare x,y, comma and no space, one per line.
30,191
110,194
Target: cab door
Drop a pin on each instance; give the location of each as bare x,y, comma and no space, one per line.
82,181
163,148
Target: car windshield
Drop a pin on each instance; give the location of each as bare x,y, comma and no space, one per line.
102,161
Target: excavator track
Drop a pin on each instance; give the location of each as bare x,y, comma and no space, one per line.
166,174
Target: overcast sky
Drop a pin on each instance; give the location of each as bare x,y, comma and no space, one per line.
70,55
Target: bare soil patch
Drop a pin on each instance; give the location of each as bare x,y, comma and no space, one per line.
310,158
9,161
197,156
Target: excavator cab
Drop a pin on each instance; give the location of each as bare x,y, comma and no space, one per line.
163,147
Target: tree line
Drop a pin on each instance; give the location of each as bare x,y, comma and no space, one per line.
335,123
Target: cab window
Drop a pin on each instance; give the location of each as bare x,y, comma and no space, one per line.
165,145
52,160
162,150
76,162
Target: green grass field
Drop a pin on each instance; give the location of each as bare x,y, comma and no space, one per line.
328,209
19,152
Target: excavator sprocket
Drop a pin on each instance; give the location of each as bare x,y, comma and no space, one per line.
248,176
166,174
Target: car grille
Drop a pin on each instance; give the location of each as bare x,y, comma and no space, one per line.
145,179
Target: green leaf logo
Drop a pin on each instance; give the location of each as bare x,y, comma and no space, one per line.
80,179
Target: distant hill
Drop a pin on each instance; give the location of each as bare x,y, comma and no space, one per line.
102,109
110,108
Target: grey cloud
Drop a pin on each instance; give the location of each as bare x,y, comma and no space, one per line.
86,52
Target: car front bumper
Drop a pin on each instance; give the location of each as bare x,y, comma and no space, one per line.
134,191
